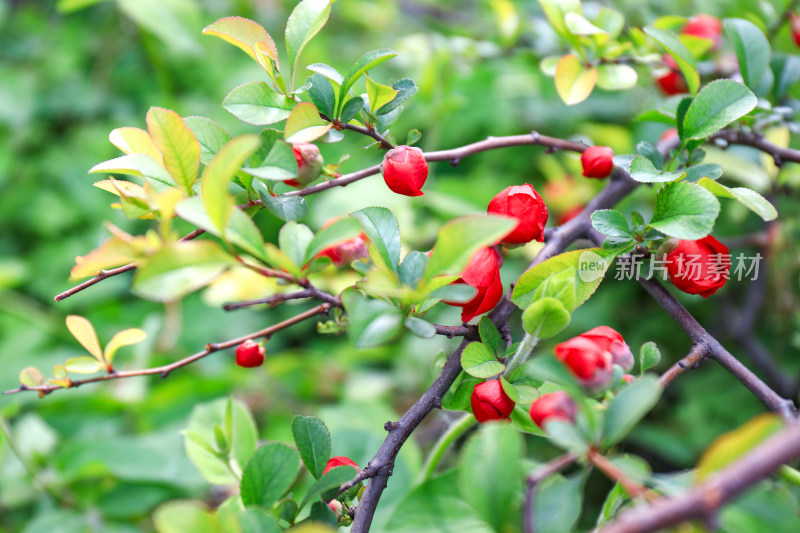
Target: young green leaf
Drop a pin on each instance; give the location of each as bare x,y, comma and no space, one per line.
558,504
752,49
747,197
380,226
135,141
682,56
489,334
241,32
218,174
365,63
335,478
479,361
304,124
322,95
177,144
420,328
412,268
372,322
649,356
545,317
630,406
209,134
288,208
294,240
406,88
643,170
611,223
379,95
305,21
574,83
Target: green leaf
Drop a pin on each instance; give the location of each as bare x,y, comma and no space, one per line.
752,49
178,269
420,328
548,368
630,406
479,361
711,171
585,267
372,322
489,334
649,356
256,103
365,63
574,83
305,125
733,445
717,105
322,95
218,175
566,436
305,21
558,504
614,500
545,317
643,170
136,165
313,441
269,474
406,88
177,144
489,476
685,211
679,52
611,77
557,11
31,377
379,95
351,108
460,238
577,24
437,508
341,230
748,197
209,134
380,226
456,293
241,230
786,70
279,164
612,223
255,520
180,516
294,240
328,71
335,478
288,208
651,152
412,268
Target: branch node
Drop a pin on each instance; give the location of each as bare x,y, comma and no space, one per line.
390,426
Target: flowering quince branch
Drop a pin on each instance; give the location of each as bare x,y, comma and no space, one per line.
691,360
704,500
615,474
210,348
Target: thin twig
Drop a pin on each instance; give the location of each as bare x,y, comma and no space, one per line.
615,474
692,359
165,370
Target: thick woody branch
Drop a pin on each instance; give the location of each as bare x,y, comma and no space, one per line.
165,370
705,499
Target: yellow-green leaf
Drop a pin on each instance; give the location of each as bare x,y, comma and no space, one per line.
31,377
574,83
218,174
304,124
733,445
84,332
135,141
243,33
83,365
379,95
178,145
123,338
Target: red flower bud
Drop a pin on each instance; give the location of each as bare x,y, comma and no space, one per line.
597,161
490,401
405,170
705,27
668,135
795,22
340,460
523,203
627,378
699,267
335,506
611,341
482,273
250,354
345,252
556,405
673,81
309,164
589,362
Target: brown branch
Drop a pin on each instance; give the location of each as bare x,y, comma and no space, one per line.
692,359
165,370
778,153
383,142
704,500
538,475
271,301
634,489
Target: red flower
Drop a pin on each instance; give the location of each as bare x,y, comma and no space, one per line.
628,378
705,27
490,402
556,405
611,341
597,161
699,267
340,460
482,273
795,22
345,252
405,170
523,203
309,164
250,354
588,361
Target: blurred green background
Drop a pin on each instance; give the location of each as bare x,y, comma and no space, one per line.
73,70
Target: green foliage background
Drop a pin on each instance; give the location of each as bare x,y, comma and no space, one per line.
113,452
